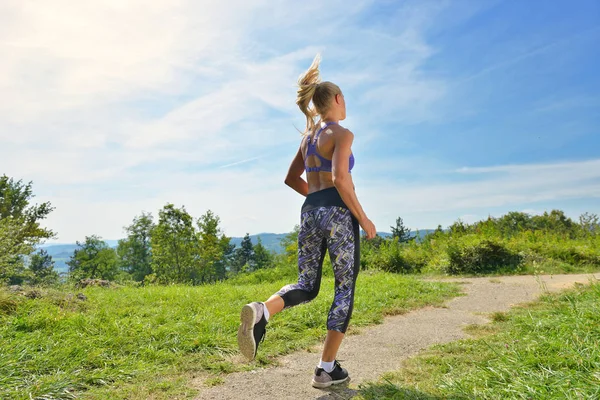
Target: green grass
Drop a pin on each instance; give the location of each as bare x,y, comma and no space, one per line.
152,342
548,350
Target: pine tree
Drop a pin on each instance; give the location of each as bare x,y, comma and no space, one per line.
263,258
41,266
244,255
401,232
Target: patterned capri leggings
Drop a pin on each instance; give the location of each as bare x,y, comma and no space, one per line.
326,228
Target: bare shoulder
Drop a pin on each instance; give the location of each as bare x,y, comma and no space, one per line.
341,134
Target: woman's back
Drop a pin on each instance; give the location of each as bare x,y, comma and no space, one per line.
317,151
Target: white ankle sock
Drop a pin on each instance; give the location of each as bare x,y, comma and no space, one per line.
266,312
327,366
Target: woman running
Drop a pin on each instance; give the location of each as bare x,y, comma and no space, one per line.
330,219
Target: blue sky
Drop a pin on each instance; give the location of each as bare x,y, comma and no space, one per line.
460,109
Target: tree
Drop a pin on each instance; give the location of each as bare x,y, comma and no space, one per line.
556,222
93,259
20,229
15,197
134,252
175,247
374,243
514,222
12,267
244,256
41,266
401,232
590,223
214,248
290,245
262,257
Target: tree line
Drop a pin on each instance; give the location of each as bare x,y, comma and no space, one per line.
180,249
175,249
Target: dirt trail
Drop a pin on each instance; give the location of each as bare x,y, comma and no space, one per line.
382,348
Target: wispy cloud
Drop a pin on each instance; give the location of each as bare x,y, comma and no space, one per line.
240,162
506,185
578,102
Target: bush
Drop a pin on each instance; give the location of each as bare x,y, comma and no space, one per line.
572,253
7,304
417,255
266,275
471,254
392,256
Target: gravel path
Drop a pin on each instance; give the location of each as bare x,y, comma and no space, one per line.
382,348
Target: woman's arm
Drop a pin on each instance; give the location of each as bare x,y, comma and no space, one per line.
342,180
294,175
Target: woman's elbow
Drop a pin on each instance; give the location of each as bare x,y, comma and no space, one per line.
339,179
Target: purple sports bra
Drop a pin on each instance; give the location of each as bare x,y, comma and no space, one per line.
325,162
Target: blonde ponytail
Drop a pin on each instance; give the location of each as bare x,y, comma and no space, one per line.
307,85
310,88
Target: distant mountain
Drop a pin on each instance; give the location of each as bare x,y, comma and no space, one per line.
271,241
61,253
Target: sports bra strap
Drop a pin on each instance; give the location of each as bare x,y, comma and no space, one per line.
322,129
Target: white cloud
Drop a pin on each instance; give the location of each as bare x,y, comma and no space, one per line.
487,188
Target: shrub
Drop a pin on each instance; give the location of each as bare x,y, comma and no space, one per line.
471,254
392,256
572,253
287,272
7,304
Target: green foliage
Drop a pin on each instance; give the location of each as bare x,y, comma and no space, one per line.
546,351
290,244
262,257
15,197
513,243
93,259
183,254
135,254
244,256
7,304
282,271
472,254
12,249
42,269
20,229
214,248
590,224
175,246
401,232
389,256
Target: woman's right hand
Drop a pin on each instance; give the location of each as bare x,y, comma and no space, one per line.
369,228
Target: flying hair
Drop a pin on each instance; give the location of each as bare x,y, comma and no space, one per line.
311,89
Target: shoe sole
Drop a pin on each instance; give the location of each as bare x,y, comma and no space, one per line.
322,385
245,336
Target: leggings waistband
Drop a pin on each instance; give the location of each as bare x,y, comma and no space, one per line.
329,197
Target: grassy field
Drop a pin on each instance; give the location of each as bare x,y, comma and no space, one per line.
547,350
154,342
